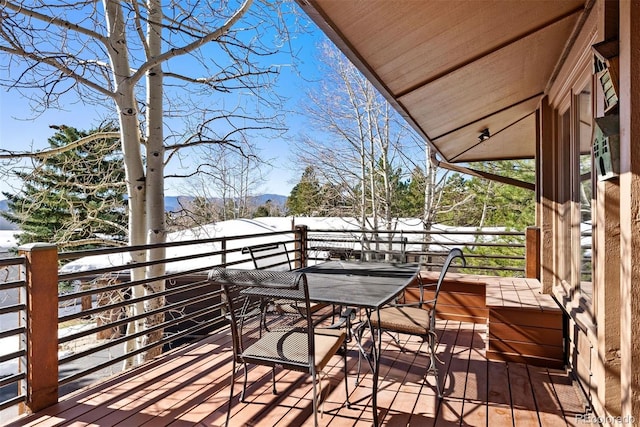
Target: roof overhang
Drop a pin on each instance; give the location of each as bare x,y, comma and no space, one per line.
455,68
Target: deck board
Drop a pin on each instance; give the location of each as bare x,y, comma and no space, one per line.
499,411
190,387
455,380
522,396
474,411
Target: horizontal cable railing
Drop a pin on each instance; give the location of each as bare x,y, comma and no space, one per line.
103,308
487,252
13,314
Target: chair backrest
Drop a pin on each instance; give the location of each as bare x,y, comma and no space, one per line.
245,290
384,249
273,256
453,254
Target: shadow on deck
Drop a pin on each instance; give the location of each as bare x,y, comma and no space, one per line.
190,386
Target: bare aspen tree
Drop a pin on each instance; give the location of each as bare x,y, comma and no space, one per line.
230,176
152,61
358,143
358,147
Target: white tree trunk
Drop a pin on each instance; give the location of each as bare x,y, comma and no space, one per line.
47,25
127,109
155,175
429,210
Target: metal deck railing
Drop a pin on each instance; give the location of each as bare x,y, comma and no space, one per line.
100,303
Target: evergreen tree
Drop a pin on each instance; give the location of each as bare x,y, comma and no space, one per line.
305,198
75,198
457,204
390,189
477,202
411,202
261,211
336,200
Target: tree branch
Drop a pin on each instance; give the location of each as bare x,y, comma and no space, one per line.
94,241
194,45
7,154
59,66
53,20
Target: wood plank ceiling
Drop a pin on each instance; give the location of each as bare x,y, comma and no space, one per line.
455,68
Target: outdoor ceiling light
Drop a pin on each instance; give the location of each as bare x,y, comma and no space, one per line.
485,134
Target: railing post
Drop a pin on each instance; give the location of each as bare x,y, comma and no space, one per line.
301,246
223,255
532,252
42,324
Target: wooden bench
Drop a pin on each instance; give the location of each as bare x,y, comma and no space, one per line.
524,325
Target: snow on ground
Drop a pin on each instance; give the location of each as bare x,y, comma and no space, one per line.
9,345
221,229
7,240
254,227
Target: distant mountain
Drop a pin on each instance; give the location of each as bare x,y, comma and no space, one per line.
4,224
171,204
176,203
276,199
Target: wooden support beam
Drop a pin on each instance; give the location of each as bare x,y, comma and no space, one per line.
42,326
301,246
486,175
532,252
630,208
546,166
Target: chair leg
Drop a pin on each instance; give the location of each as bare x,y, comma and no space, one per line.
244,382
358,332
273,379
346,371
233,380
433,367
264,308
396,339
315,399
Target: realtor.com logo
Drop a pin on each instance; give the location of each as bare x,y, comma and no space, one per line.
591,418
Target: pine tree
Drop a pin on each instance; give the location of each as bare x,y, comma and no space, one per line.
478,202
412,202
75,198
305,198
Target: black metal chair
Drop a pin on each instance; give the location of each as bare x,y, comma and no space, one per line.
269,256
414,319
299,347
274,256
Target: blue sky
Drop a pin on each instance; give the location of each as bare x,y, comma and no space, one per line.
19,132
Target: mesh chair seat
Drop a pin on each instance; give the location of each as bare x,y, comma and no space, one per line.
299,347
407,320
289,347
413,319
290,307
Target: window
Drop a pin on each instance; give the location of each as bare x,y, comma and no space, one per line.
564,204
582,193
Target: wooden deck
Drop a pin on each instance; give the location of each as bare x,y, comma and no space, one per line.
190,387
525,325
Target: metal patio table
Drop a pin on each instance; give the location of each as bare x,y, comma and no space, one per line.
365,285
